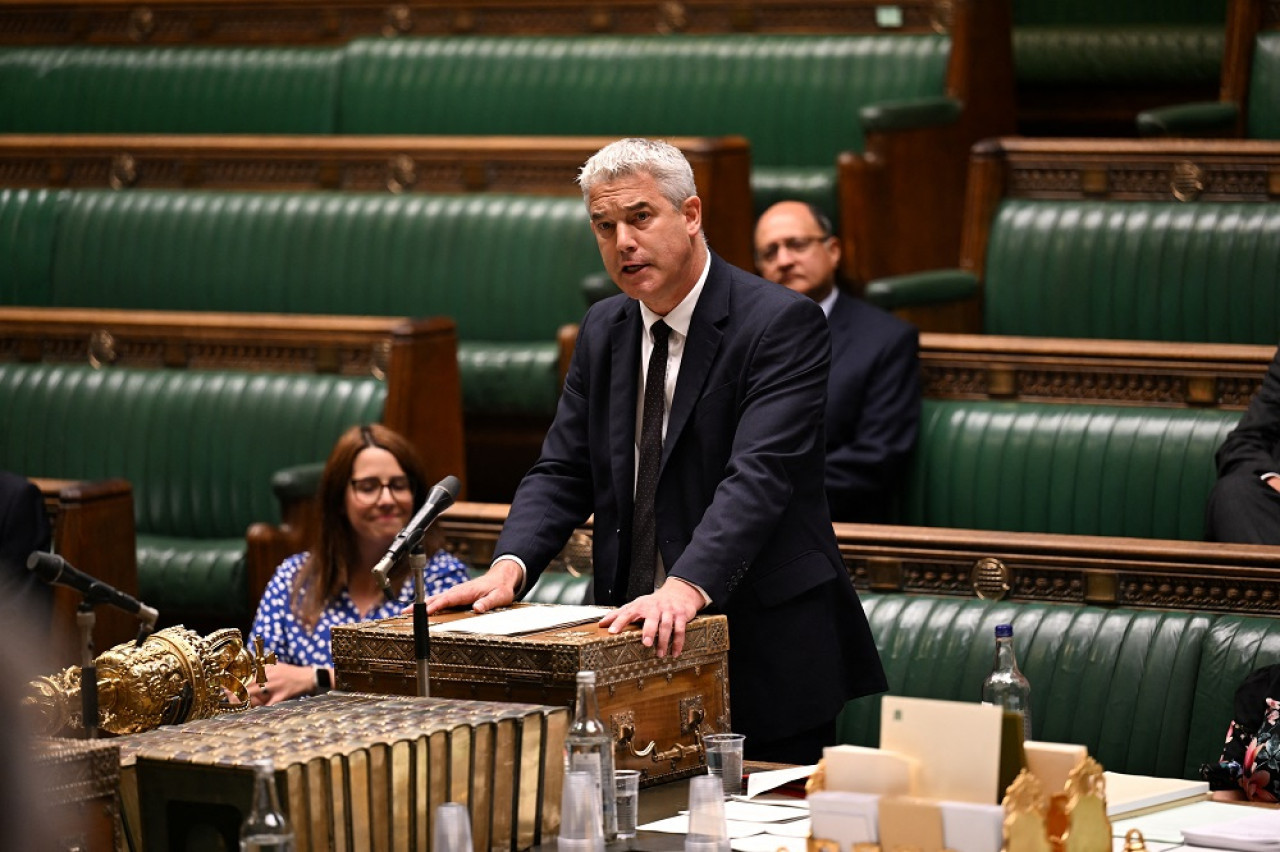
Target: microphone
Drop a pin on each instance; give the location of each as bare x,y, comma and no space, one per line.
439,498
55,569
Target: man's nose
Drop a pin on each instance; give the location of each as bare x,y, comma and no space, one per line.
624,237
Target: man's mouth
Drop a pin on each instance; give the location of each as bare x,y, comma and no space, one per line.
632,268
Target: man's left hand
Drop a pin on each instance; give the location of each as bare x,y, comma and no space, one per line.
664,613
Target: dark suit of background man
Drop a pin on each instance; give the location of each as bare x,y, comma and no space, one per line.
24,527
873,395
741,519
1244,505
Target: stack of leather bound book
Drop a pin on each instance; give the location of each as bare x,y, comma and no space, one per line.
354,771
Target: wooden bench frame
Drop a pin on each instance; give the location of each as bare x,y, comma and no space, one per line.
416,358
93,530
534,165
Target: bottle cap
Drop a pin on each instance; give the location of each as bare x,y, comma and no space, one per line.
1004,631
587,677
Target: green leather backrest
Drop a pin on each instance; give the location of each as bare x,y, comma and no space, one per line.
506,268
28,223
1264,87
763,87
199,446
1120,682
1235,646
1072,468
1146,271
155,89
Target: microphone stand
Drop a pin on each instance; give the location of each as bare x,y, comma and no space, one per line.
85,620
421,626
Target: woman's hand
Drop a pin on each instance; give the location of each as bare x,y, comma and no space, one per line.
284,681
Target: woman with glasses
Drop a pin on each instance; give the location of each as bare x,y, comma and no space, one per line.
372,484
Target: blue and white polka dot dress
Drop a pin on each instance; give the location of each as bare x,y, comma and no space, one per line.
284,634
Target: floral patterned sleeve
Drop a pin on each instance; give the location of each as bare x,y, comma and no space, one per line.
1250,759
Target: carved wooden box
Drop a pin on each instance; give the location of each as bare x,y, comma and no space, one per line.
657,708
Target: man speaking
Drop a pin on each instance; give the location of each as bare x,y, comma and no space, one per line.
691,425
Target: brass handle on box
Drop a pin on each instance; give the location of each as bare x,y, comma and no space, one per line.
627,734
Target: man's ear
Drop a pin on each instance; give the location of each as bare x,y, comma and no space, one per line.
692,212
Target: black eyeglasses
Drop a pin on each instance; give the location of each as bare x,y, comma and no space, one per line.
368,489
795,245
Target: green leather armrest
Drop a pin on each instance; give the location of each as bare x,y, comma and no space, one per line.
921,288
297,482
909,114
1188,119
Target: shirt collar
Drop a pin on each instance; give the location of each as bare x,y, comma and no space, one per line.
827,303
682,314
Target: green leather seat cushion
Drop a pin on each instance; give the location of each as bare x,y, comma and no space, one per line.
188,578
199,448
1206,271
1120,682
1071,468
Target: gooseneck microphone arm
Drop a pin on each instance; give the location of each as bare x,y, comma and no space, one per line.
439,498
55,569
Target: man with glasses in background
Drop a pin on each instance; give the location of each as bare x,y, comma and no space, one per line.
873,390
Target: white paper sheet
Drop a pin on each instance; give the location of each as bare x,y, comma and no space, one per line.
1251,831
756,812
763,782
1166,826
524,619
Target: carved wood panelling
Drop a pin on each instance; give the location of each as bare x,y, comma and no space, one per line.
325,22
1168,179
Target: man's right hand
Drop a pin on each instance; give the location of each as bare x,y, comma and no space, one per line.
495,588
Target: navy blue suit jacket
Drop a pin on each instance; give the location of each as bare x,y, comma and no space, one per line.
740,510
873,408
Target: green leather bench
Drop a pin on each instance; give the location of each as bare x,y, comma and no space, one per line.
198,446
1122,239
1248,103
1071,468
507,268
759,86
1088,66
1147,692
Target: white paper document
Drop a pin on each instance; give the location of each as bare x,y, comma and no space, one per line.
1167,826
524,619
763,782
1255,831
1129,793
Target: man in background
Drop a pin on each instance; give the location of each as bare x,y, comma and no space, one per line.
1244,505
873,394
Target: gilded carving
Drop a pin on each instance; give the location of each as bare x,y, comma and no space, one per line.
174,676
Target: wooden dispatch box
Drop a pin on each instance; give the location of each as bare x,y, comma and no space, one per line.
657,708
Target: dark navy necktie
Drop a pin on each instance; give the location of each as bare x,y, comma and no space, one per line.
644,537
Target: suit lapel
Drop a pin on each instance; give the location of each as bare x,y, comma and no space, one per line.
624,337
705,334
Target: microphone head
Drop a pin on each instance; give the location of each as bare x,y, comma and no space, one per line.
444,492
47,566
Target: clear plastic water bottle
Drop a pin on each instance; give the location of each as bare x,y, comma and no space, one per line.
1006,686
590,749
265,829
